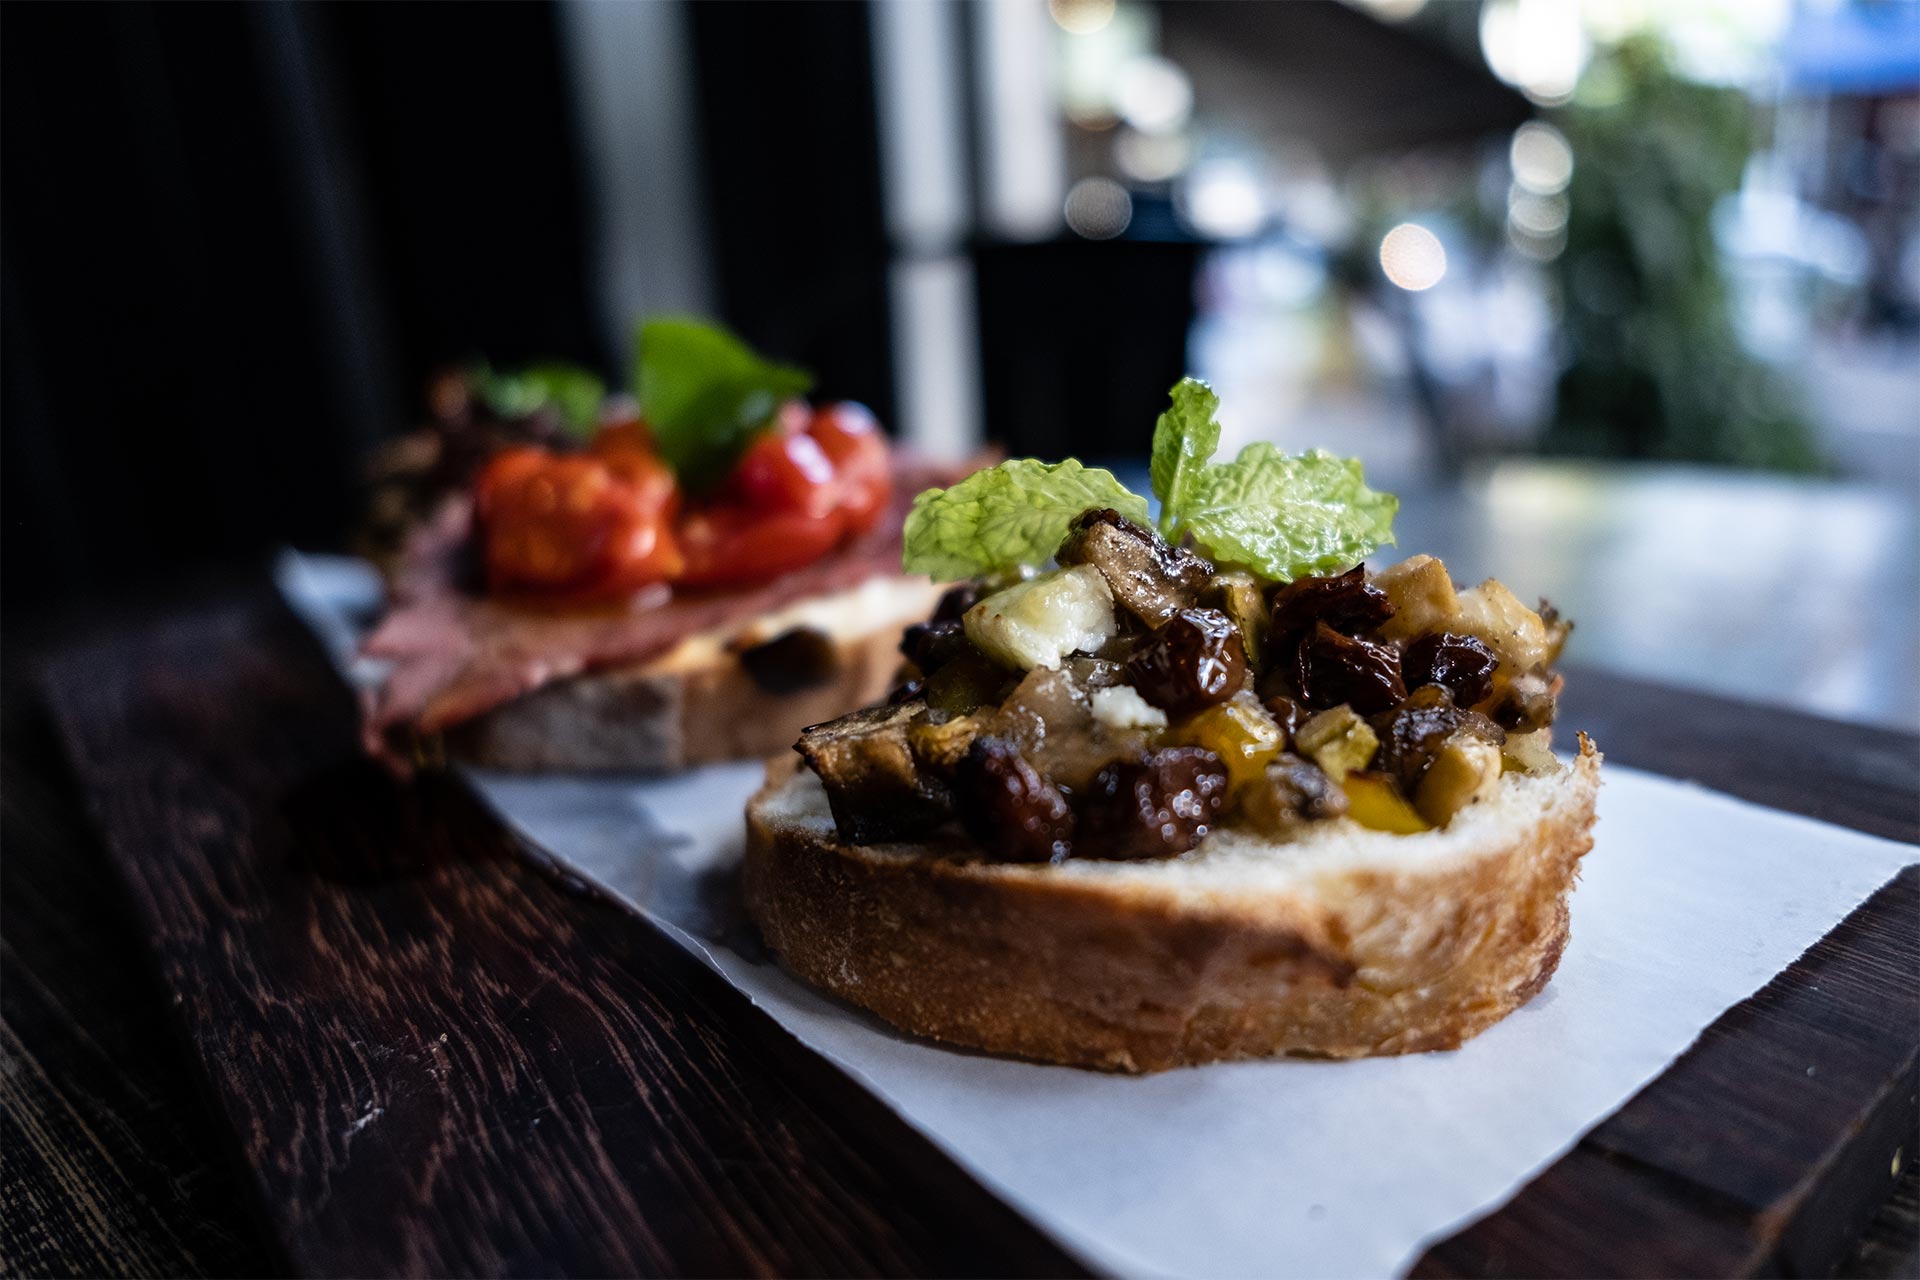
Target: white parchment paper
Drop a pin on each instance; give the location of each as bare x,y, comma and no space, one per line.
1689,902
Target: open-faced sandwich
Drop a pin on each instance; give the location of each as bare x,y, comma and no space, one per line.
688,576
1147,798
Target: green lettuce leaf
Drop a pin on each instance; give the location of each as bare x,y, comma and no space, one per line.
1006,517
1285,517
704,394
1183,439
574,393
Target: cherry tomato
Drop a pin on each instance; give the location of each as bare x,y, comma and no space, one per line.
650,476
503,471
784,473
624,435
851,439
730,546
575,527
646,551
792,417
579,527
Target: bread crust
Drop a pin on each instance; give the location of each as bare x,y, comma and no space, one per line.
661,717
1367,956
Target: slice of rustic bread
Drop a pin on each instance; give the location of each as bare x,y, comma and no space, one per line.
1342,943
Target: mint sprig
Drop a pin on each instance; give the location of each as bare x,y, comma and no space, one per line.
1008,516
1281,516
1286,517
1184,437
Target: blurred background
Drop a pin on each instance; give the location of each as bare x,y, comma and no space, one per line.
1623,297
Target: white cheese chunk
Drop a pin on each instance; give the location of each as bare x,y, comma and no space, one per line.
1039,622
1122,707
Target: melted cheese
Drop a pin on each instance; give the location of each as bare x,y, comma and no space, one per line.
875,605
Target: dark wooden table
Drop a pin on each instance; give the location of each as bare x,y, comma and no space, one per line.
289,1016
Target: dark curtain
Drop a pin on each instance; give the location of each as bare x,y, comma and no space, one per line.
1081,340
791,147
234,240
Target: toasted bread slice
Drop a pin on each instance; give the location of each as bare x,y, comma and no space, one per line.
1343,943
703,702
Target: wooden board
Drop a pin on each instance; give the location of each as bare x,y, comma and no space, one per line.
439,1056
436,1053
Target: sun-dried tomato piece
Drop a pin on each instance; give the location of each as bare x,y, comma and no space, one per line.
1330,668
1193,662
1009,806
1461,663
1346,602
1155,807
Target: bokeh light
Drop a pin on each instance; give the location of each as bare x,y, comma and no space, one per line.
1540,247
1081,17
1537,214
1153,95
1098,208
1542,158
1413,257
1538,46
1391,10
1223,199
1147,157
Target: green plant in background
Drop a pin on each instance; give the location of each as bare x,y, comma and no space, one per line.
1654,367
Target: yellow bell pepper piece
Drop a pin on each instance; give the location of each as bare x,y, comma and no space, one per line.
1242,733
1374,803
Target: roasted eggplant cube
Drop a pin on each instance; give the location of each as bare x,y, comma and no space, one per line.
876,789
1289,794
1337,740
1412,734
1239,596
1465,770
1150,579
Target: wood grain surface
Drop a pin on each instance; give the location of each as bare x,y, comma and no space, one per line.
439,1056
435,1054
1852,775
1764,1150
111,1163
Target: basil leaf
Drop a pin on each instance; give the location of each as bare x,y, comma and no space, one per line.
704,394
1006,517
1184,438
